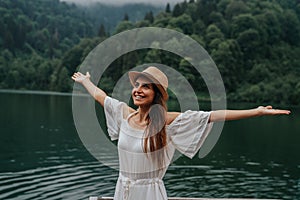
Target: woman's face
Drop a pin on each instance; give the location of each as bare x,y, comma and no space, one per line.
143,92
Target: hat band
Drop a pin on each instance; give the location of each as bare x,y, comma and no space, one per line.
155,80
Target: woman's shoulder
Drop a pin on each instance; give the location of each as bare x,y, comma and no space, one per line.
171,116
118,106
127,111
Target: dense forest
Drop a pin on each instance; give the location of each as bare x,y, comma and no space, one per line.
254,43
37,36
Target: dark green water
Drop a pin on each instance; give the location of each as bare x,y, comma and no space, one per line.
42,157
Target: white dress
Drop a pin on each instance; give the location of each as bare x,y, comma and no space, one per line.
139,177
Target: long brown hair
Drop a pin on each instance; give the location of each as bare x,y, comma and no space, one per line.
155,138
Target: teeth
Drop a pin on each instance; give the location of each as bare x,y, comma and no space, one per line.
138,97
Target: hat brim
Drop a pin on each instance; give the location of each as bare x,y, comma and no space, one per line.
133,75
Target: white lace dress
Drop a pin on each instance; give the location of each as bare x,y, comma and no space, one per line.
139,177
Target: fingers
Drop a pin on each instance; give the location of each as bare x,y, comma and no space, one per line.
76,76
79,77
281,112
286,112
268,110
269,107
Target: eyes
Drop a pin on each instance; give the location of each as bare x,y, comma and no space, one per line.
143,85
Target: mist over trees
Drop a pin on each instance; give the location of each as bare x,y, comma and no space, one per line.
254,43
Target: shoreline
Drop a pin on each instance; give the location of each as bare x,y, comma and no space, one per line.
200,97
39,92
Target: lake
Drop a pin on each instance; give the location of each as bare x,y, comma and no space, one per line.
42,156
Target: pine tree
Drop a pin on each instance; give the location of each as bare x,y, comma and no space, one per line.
168,9
126,17
101,31
177,11
149,17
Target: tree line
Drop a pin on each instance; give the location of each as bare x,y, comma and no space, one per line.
255,45
36,36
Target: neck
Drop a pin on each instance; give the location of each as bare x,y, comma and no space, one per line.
143,113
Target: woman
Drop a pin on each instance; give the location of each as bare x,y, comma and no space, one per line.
147,137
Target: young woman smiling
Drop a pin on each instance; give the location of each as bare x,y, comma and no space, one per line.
147,137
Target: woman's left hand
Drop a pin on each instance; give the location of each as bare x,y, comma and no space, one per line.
268,110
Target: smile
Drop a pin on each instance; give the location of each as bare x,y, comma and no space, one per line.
138,97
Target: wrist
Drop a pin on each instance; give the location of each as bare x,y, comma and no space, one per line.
259,111
86,80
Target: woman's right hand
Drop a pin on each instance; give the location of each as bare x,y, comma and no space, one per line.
79,77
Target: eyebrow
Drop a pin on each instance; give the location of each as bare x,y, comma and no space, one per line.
143,83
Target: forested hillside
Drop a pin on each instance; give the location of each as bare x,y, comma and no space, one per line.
110,15
254,43
36,35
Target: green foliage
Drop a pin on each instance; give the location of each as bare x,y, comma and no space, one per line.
111,15
123,26
149,16
280,91
228,55
43,42
102,31
168,8
177,11
184,22
235,8
255,44
213,36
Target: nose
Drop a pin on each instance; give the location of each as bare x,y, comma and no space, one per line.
137,89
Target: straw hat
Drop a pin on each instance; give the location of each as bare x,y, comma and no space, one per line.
155,75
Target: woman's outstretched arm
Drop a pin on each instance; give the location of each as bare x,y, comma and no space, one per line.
224,115
98,94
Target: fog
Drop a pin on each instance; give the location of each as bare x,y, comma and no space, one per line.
122,2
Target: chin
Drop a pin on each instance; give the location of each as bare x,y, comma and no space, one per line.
138,103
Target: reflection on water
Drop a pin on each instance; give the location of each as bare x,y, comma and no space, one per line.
42,157
57,182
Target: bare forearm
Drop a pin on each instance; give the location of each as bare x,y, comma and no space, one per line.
98,94
225,115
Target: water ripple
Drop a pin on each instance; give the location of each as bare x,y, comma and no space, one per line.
58,182
213,182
